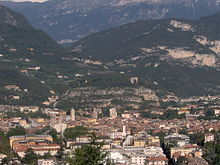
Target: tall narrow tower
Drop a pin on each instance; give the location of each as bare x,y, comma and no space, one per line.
124,130
95,113
73,114
113,113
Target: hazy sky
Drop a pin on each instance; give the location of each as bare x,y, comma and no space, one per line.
25,0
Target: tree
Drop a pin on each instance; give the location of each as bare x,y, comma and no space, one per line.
148,114
30,157
50,131
182,160
183,131
54,134
90,154
38,114
16,131
5,161
44,130
197,138
170,114
71,133
211,150
4,144
60,154
209,113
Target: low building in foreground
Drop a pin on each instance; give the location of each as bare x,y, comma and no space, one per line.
40,144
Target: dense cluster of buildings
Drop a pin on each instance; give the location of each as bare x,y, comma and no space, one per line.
128,138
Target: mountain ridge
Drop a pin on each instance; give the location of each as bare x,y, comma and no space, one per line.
129,67
24,54
68,21
172,48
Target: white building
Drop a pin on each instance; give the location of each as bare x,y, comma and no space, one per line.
217,112
2,156
153,151
156,161
117,157
113,113
60,127
138,158
128,141
119,135
83,139
73,114
176,139
209,137
45,162
39,150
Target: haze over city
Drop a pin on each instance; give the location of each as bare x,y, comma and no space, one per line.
110,82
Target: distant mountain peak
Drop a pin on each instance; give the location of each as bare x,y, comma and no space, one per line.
10,17
67,21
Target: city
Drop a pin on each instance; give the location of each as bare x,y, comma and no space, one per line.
109,82
130,137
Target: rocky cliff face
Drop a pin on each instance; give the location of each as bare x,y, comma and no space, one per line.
133,97
131,66
173,54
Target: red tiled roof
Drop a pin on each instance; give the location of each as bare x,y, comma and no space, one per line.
157,159
23,148
190,146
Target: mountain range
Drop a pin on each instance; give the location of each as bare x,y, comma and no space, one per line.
130,66
179,55
67,21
